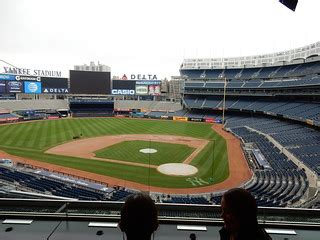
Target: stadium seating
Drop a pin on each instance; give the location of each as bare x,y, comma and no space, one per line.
275,186
301,141
45,185
16,105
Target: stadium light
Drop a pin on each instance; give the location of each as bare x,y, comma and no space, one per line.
224,98
291,4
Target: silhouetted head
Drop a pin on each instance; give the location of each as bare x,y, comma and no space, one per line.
239,210
139,217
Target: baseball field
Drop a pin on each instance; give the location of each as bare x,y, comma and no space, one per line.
126,149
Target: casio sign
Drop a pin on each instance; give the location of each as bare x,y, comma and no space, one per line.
123,92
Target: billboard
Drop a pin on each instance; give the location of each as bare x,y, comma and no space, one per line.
19,78
123,87
87,82
28,78
7,77
32,87
131,87
154,90
178,118
14,87
142,89
123,84
54,85
2,87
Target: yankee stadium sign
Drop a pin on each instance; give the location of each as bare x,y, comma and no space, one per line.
30,72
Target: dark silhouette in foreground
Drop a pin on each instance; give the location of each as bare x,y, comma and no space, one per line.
139,217
239,213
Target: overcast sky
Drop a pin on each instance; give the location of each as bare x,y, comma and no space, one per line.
148,36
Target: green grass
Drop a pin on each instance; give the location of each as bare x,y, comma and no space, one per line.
129,151
32,139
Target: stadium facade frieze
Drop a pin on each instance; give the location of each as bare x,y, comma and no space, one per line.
31,72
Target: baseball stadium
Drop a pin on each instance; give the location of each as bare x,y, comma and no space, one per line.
252,127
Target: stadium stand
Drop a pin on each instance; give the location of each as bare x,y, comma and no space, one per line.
91,108
28,181
275,111
16,105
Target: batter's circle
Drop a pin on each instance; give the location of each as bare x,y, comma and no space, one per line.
177,169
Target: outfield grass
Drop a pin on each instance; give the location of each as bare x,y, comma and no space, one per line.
32,139
129,151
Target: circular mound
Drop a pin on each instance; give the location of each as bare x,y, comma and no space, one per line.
148,150
177,169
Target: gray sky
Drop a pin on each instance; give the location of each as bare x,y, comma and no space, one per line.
148,36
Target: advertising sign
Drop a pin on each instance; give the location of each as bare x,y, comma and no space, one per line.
148,82
184,119
154,90
27,78
55,90
123,87
7,77
123,91
209,120
142,89
14,87
32,87
2,87
193,119
143,77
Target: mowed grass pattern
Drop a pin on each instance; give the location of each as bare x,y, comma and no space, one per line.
32,139
129,151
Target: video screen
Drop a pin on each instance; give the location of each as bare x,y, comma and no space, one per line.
48,82
123,84
85,82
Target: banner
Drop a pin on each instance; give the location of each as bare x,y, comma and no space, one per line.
7,77
32,87
196,119
209,120
142,89
55,90
183,119
14,87
154,90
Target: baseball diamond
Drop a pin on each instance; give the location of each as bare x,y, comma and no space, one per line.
109,148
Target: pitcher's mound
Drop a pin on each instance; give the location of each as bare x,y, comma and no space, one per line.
177,169
148,150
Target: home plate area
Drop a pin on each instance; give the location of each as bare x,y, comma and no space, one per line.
177,169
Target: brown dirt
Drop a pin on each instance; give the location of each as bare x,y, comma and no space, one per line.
85,148
239,171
